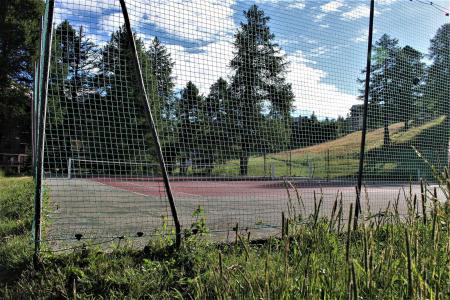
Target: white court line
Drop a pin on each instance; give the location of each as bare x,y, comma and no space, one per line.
139,185
196,195
117,188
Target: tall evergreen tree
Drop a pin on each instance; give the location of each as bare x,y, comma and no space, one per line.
70,94
278,121
409,68
437,92
437,89
258,67
191,118
162,66
19,41
222,129
19,44
125,118
382,90
394,92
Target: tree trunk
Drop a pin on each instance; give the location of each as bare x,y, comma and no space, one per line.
243,165
387,140
184,166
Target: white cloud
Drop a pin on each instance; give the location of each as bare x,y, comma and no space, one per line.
111,22
312,94
206,64
194,20
300,57
319,17
203,66
358,12
363,36
332,6
291,3
86,6
300,4
386,2
318,51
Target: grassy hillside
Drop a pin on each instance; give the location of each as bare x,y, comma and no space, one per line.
339,158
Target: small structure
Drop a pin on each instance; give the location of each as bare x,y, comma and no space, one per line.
356,117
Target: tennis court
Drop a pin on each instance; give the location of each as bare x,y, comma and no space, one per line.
110,207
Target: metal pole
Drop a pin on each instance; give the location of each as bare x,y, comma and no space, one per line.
264,156
290,162
152,124
69,168
33,117
364,124
43,91
36,98
328,164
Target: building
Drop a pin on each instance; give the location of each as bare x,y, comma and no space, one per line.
356,117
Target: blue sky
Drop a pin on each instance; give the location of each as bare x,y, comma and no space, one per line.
324,41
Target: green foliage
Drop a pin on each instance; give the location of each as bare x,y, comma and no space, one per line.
192,130
19,43
199,225
85,79
70,95
16,205
259,79
389,256
394,92
437,92
16,215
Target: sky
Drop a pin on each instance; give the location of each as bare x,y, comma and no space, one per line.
324,42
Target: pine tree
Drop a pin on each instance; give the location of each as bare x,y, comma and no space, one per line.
191,118
409,68
257,82
394,92
162,66
70,95
279,119
382,90
437,92
127,129
19,44
437,89
222,129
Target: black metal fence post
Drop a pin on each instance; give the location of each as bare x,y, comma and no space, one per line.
364,124
152,124
42,110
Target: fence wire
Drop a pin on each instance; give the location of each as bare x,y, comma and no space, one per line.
255,102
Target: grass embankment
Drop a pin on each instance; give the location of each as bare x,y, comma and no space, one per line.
337,158
16,214
387,258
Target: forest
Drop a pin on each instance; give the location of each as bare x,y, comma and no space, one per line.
95,111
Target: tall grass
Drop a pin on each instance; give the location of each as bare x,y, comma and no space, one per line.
16,211
389,256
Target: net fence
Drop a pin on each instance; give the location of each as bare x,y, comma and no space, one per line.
254,103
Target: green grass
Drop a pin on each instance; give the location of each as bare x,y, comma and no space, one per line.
16,211
387,257
337,158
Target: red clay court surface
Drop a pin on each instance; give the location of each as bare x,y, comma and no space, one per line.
202,188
